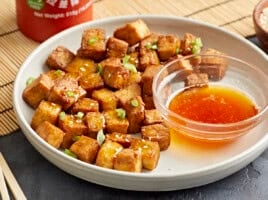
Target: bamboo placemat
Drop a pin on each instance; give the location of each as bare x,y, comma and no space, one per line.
234,15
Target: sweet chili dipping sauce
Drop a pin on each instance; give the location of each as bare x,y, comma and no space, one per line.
213,104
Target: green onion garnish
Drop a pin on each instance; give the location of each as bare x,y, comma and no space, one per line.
152,46
92,40
134,102
100,137
29,80
99,69
197,45
62,115
128,65
69,153
70,93
58,72
121,113
75,138
178,50
80,115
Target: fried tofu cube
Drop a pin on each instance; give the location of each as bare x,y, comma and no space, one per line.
95,122
147,78
85,105
190,44
167,46
125,94
85,149
157,133
93,44
121,138
38,90
82,66
128,160
148,101
106,99
116,77
50,133
73,126
135,114
116,47
150,152
114,122
90,82
59,58
46,111
55,75
134,58
214,66
148,59
149,44
66,91
112,61
152,117
107,153
197,80
132,32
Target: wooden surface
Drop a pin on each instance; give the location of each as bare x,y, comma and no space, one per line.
233,15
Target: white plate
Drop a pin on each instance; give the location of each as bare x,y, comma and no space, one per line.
182,165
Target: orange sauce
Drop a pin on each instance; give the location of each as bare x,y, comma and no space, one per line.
217,105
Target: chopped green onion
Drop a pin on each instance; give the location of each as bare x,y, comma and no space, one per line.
62,115
197,45
99,69
58,72
70,93
92,40
178,50
152,46
80,115
75,138
29,80
128,65
121,113
69,153
100,137
134,102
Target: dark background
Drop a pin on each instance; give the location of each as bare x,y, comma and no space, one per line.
40,180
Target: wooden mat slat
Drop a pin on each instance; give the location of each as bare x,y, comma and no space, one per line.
234,15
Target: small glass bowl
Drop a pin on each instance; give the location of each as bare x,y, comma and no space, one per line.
239,75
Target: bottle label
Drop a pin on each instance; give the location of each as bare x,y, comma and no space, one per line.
36,4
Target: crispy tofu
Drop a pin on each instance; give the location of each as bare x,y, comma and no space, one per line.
214,66
127,93
112,61
134,58
108,151
197,80
128,160
147,78
55,75
152,117
116,77
116,47
148,54
85,105
50,133
157,133
82,66
115,123
132,32
85,149
167,46
90,82
106,99
135,114
66,91
150,152
59,58
72,126
46,111
121,138
188,44
93,44
148,101
38,90
95,122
